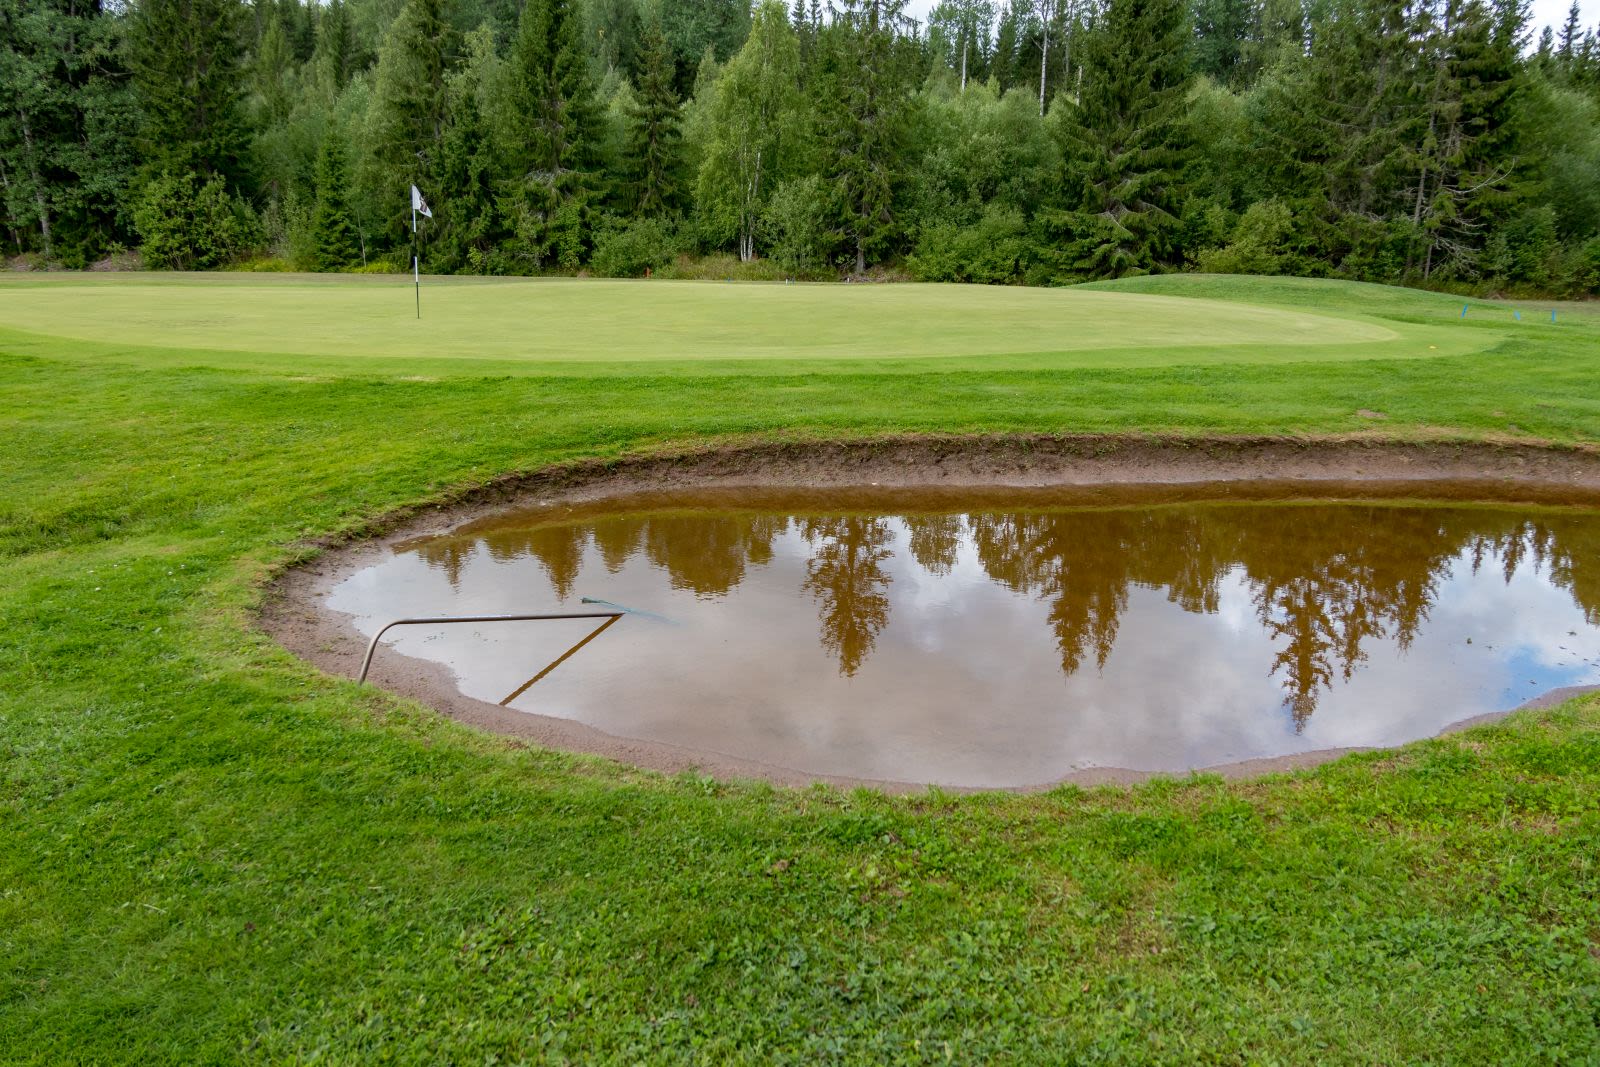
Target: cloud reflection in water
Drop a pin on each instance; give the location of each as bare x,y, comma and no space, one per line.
1010,645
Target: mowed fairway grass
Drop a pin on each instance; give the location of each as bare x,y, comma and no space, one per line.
210,852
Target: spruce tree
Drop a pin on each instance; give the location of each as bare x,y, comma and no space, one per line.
271,66
1337,132
408,108
1003,61
694,25
655,137
334,58
553,151
863,107
1571,36
1544,56
334,241
187,71
466,223
1482,174
1125,149
1223,33
613,30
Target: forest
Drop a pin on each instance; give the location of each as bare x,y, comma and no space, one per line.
1439,143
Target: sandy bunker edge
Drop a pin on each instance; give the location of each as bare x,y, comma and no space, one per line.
294,613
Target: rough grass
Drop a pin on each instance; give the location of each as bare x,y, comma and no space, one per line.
209,852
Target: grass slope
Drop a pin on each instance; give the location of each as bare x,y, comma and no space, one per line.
210,852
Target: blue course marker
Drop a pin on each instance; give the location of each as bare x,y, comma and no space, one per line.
1516,315
1552,314
1463,311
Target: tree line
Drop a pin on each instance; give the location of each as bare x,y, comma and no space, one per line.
1429,142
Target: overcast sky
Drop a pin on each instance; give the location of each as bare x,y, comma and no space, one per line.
1545,13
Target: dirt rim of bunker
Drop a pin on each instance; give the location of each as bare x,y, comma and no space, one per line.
294,610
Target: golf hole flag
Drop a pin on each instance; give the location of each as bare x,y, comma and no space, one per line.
417,205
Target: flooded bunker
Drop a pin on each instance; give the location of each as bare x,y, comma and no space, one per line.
1004,637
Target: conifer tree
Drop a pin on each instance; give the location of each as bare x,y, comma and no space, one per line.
466,222
334,58
1481,178
408,108
655,138
1004,59
1124,144
553,146
187,70
863,106
1544,56
1336,132
271,66
1223,32
1571,38
692,26
612,31
335,243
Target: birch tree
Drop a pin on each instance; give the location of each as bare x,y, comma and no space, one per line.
962,29
755,121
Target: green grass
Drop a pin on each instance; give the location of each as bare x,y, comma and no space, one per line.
210,852
472,325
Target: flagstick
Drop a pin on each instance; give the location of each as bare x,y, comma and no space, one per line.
416,265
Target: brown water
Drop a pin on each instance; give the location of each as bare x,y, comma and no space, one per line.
1010,638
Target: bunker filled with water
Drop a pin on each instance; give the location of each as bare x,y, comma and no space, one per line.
1005,637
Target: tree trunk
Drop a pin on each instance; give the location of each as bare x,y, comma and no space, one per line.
5,184
39,201
1044,49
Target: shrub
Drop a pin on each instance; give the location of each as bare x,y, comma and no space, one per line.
995,249
794,225
263,265
390,264
186,225
723,267
630,249
1259,244
1526,249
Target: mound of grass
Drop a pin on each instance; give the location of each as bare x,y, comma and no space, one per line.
210,852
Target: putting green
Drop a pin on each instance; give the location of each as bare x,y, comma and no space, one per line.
579,320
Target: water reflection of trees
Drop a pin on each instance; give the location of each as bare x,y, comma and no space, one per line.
846,577
1326,581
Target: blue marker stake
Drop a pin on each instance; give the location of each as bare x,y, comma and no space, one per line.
1463,311
1517,315
1552,314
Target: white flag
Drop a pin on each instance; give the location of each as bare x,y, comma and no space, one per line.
419,204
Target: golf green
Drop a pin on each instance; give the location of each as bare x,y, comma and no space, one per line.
255,320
